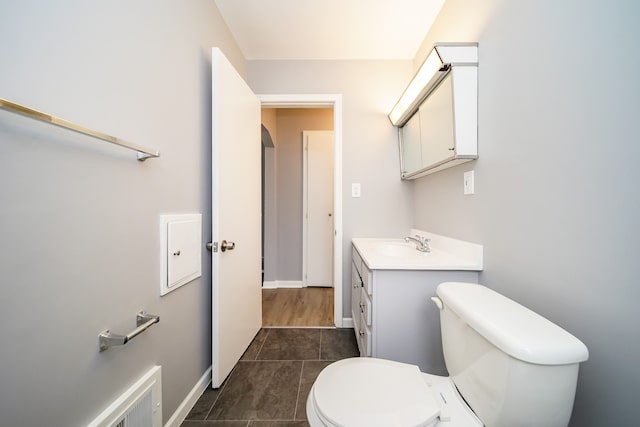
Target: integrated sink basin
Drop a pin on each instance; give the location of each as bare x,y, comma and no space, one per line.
398,248
397,254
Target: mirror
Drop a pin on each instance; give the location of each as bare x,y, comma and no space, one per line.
427,139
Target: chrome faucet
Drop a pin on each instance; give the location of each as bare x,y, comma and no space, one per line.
422,243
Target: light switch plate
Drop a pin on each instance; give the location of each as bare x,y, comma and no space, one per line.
469,184
355,189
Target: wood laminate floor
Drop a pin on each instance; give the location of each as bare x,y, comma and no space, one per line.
308,307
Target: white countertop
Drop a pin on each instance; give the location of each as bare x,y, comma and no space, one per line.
396,254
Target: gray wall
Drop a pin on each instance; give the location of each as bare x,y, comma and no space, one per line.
79,219
556,204
370,153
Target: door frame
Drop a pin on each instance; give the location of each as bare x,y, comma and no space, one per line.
324,101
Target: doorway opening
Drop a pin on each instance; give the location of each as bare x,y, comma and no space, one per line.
285,268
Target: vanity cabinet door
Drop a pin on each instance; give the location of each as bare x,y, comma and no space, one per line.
364,337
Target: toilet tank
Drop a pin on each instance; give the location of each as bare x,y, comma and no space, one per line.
512,366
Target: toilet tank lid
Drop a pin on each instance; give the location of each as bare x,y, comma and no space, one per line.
513,328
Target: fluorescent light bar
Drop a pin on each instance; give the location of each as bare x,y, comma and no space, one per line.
431,72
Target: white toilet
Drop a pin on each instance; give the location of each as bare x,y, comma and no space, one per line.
508,367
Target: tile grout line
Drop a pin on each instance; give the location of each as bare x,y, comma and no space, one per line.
217,397
299,327
208,422
295,409
262,345
291,360
224,384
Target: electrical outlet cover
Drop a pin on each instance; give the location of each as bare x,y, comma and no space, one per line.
469,184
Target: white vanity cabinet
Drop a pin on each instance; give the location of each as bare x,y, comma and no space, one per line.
393,315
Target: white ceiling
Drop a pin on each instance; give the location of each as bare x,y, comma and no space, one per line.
329,29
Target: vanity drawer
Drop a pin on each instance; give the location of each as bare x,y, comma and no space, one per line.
356,281
367,279
356,291
365,307
357,261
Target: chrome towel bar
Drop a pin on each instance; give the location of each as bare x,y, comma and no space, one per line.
143,153
144,320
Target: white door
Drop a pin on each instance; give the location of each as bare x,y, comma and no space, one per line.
318,208
236,186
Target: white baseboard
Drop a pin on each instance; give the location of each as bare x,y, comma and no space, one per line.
270,285
282,284
347,322
190,401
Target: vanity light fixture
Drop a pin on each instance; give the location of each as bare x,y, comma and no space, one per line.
435,68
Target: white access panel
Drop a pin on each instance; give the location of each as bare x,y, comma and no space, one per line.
181,250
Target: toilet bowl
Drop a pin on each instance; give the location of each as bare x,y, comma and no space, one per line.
508,367
382,393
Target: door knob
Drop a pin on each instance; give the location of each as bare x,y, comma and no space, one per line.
227,246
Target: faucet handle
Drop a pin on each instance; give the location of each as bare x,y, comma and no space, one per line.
422,239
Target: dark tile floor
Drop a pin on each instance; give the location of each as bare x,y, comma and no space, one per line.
269,385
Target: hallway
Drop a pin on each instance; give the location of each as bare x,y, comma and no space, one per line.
297,307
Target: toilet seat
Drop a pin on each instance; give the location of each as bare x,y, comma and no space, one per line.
373,392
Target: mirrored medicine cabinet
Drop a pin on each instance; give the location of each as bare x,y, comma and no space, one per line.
437,114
